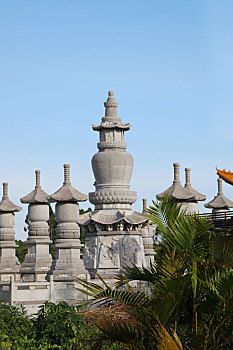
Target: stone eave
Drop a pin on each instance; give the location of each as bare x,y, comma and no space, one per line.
36,196
111,125
103,218
197,195
7,206
219,202
176,191
67,193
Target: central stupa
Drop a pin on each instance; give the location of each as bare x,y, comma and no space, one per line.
115,235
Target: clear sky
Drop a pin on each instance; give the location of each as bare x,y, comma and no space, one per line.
170,64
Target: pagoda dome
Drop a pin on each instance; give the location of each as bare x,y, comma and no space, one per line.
112,168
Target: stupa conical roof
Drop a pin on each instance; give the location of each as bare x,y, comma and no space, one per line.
37,195
219,201
6,205
176,190
67,193
197,195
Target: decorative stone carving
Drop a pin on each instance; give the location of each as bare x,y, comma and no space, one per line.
111,230
68,263
38,260
9,265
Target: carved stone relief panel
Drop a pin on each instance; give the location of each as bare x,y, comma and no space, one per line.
90,252
108,252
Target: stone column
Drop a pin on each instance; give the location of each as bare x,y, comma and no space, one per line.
9,265
68,263
147,237
38,259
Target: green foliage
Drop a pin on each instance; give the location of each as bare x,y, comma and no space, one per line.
52,230
58,323
15,326
82,237
21,250
5,343
54,327
186,295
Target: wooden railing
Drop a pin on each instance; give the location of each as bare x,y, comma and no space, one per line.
220,219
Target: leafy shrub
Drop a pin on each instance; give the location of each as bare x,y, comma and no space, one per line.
54,327
59,324
15,325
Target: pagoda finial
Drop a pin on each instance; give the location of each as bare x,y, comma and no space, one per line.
66,174
176,172
37,172
111,105
220,186
144,205
187,176
5,190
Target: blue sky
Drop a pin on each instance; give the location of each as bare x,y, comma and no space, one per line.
170,64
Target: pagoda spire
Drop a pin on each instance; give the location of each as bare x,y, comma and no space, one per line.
110,106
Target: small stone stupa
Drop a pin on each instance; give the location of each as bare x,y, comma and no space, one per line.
113,231
38,259
220,203
68,263
9,265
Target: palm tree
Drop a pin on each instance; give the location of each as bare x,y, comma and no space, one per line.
184,297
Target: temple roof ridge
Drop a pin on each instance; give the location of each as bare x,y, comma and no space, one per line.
227,176
67,193
6,205
37,195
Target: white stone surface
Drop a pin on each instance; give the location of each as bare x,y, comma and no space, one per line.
38,260
68,263
113,231
9,265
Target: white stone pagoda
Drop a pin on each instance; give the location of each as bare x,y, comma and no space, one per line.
115,235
